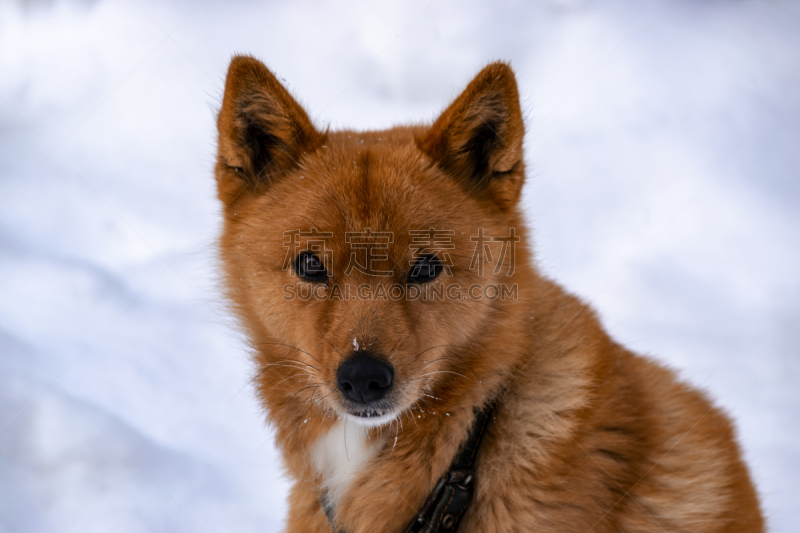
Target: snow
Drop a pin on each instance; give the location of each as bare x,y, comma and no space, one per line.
663,163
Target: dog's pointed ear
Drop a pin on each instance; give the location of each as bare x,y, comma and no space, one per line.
478,138
263,133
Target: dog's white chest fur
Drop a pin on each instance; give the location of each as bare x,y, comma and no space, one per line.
339,456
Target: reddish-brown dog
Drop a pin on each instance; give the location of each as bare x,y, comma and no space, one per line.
386,285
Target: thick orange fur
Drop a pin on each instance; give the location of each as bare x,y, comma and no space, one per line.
586,435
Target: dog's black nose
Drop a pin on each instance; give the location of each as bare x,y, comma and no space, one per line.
364,379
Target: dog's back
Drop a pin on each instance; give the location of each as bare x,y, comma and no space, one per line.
591,437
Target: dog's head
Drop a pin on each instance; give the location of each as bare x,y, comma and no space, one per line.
369,267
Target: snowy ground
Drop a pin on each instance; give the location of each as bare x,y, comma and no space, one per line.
663,148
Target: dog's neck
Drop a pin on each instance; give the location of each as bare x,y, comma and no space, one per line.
338,457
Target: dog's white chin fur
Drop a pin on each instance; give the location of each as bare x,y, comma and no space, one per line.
372,421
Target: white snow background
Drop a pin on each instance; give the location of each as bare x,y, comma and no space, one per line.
664,186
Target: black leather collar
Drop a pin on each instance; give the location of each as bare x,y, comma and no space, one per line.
452,495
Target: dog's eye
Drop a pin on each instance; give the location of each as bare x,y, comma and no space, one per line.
309,267
425,269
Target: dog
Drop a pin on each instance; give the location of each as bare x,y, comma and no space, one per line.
387,288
